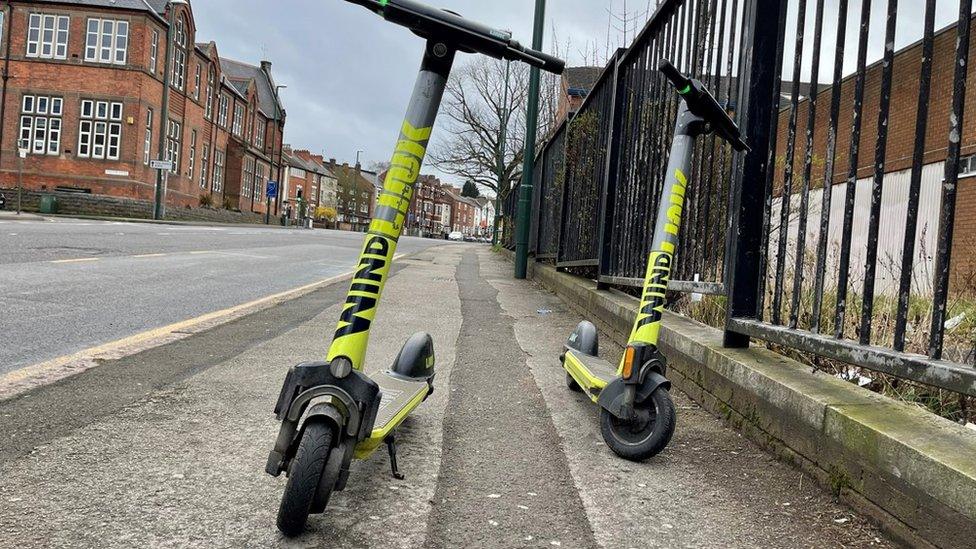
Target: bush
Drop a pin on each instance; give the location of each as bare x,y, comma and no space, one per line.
227,204
206,200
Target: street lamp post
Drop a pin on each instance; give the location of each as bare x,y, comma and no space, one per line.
274,139
162,175
503,134
531,123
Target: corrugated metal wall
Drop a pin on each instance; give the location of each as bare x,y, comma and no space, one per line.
894,206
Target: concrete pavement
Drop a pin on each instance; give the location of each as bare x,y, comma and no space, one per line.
176,458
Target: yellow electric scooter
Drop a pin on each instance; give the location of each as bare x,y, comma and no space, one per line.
332,411
637,415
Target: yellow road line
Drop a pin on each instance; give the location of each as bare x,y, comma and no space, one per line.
43,373
149,255
78,260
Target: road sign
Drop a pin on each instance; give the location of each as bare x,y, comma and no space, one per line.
161,165
272,189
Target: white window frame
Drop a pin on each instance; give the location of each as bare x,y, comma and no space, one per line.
211,80
967,166
106,41
154,52
238,119
174,143
222,110
100,129
247,177
197,80
41,123
147,152
191,164
179,56
204,165
47,36
260,128
218,171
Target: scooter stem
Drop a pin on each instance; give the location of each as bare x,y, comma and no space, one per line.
392,204
647,325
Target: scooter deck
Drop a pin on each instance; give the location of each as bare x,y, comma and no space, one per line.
398,397
592,373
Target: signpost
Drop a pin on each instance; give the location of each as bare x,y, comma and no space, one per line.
22,149
272,192
162,180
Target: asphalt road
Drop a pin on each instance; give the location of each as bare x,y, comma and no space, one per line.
69,284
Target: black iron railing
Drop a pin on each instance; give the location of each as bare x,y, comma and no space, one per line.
834,236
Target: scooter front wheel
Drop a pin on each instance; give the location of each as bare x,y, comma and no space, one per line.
304,474
644,436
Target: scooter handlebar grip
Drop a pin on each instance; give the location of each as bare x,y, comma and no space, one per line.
535,58
372,5
672,73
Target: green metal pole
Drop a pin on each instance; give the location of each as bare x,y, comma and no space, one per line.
503,134
531,121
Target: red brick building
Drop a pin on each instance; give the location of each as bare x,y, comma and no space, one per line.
430,208
83,84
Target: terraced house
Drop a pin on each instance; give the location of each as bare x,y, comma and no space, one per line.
83,88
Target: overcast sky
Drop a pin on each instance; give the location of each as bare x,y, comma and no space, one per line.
349,73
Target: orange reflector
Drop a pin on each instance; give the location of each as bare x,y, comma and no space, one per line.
629,353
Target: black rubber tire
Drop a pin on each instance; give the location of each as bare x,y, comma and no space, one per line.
304,474
650,438
571,383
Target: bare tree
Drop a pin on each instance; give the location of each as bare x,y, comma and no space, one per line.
472,114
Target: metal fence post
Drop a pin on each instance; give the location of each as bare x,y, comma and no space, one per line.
610,181
764,23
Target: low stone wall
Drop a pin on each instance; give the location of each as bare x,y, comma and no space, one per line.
109,206
912,471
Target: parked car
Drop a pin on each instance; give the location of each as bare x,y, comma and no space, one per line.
456,235
3,201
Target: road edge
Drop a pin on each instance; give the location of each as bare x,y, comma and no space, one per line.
18,382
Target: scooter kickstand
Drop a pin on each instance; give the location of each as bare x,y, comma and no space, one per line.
391,446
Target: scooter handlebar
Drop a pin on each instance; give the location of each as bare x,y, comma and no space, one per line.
701,103
464,34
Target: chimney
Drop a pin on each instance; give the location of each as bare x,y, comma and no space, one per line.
266,67
332,163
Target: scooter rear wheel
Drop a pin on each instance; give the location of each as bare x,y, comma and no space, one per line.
646,435
571,383
304,474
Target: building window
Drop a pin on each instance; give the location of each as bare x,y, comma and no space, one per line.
40,123
222,112
967,166
1,26
259,181
174,141
193,154
107,41
154,52
47,36
247,182
179,56
205,165
259,129
147,152
100,130
211,80
238,119
196,84
218,171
